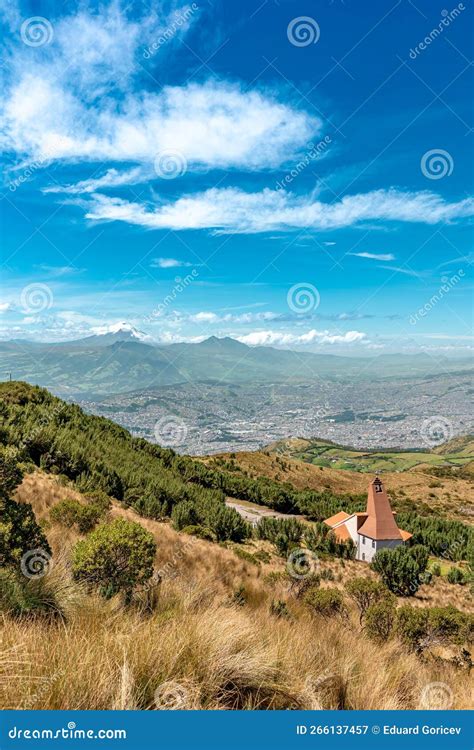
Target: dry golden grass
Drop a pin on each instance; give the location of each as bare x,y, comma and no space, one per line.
199,648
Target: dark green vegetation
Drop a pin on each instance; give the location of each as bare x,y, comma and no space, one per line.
19,532
97,454
402,569
455,454
286,534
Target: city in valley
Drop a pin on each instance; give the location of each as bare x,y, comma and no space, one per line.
222,417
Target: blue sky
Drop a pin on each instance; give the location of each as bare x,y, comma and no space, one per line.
293,174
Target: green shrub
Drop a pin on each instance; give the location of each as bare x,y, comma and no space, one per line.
184,515
456,575
401,568
365,592
239,596
116,557
421,627
72,513
99,500
449,623
19,531
27,597
279,608
326,602
412,625
379,619
327,575
247,556
200,532
436,569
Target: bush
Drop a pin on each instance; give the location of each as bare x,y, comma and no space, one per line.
19,531
116,557
326,602
27,597
279,608
72,513
420,628
412,625
401,568
436,569
365,593
184,515
379,619
200,532
456,575
448,623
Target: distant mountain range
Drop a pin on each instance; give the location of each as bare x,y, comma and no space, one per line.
124,359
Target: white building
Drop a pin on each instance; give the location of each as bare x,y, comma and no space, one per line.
372,530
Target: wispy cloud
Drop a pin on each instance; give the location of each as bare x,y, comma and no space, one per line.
111,179
233,210
375,256
170,263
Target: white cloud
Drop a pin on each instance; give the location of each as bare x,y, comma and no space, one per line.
82,98
111,179
4,306
169,263
280,338
374,256
233,210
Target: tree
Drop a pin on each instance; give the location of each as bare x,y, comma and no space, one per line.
116,557
401,568
19,531
365,592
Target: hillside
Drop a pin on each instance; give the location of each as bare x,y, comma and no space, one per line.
224,623
455,454
212,641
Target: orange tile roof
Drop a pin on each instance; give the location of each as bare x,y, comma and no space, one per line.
405,535
341,533
380,523
341,516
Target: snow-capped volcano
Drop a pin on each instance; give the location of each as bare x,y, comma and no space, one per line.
116,332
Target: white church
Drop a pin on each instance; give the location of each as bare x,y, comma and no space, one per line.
372,530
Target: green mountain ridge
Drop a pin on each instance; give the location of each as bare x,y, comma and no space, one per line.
122,362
